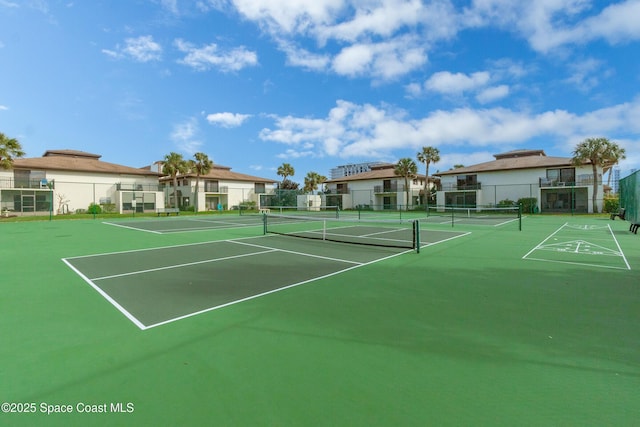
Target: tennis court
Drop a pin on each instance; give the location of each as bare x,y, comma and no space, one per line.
226,325
152,287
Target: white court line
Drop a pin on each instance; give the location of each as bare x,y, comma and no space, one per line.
297,253
106,296
130,228
540,246
271,291
619,248
542,243
143,327
188,264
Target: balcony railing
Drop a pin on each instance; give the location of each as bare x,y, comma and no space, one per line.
41,184
124,186
452,186
581,181
216,189
393,188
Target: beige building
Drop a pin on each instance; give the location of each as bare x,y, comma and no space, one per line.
220,189
555,183
67,181
378,189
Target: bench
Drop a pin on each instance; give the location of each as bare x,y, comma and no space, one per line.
620,214
168,211
265,211
634,228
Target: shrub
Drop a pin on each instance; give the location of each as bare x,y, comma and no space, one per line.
529,204
506,203
108,207
94,209
611,204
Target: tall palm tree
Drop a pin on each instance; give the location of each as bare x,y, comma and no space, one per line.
285,170
10,149
312,180
173,166
598,152
427,156
407,169
617,153
201,165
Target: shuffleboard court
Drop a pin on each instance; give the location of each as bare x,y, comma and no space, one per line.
581,244
156,286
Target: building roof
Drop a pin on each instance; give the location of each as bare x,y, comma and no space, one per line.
223,173
512,160
77,161
382,171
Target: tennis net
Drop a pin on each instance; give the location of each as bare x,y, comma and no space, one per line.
475,212
313,211
477,215
392,233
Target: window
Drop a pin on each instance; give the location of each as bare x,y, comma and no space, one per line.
467,182
561,176
260,188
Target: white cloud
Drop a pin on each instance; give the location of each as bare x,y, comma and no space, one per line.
140,49
3,108
493,93
210,56
367,131
586,74
385,39
384,61
552,24
227,120
453,84
185,136
300,57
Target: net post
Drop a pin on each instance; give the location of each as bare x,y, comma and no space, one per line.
324,229
416,235
264,224
520,217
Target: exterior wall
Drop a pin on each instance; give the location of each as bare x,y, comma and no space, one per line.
230,194
363,193
77,190
496,186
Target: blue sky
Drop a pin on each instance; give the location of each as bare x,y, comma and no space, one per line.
317,84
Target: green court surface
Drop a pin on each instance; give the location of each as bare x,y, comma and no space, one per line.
170,322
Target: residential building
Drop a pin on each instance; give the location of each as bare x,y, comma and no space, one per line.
555,183
221,189
352,169
67,181
378,189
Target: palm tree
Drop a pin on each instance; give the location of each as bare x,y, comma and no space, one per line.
10,149
173,166
285,170
617,153
407,169
427,156
202,165
598,152
312,180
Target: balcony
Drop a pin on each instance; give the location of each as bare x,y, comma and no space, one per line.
40,184
393,188
452,186
138,187
217,189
